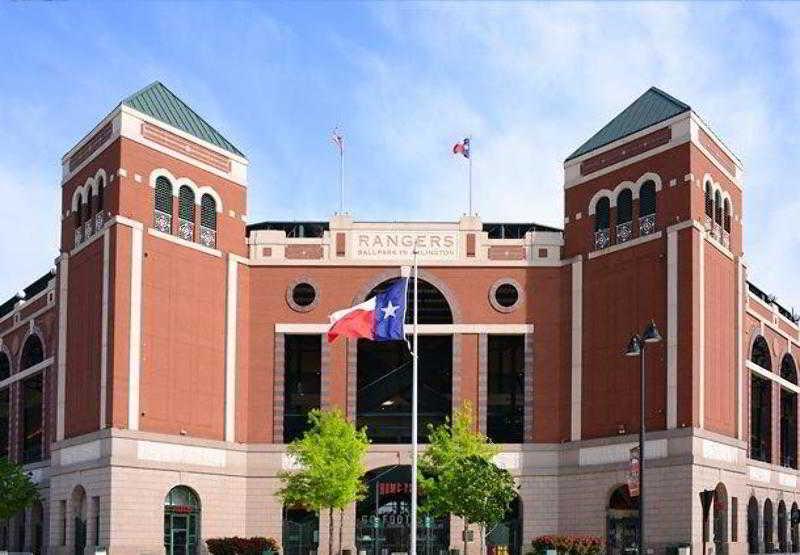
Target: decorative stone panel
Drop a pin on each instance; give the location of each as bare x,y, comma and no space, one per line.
278,388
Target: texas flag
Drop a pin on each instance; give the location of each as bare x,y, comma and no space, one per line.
381,318
462,148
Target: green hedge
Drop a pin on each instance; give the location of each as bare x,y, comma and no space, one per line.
568,545
241,546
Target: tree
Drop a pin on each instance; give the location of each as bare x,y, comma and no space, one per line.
17,491
329,456
450,445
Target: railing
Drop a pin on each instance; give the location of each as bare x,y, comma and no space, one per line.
162,221
647,224
98,221
624,232
89,228
602,238
707,222
208,237
716,232
78,235
186,229
726,239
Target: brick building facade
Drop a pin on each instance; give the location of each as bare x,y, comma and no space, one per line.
151,380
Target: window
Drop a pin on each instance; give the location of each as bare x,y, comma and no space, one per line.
78,215
788,419
625,206
760,419
302,296
162,215
717,208
181,521
32,430
505,396
504,295
5,366
5,407
647,199
302,382
208,221
100,195
32,352
760,354
726,216
752,526
709,201
769,530
96,512
186,213
601,217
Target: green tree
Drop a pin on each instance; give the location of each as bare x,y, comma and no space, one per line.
17,491
449,444
329,456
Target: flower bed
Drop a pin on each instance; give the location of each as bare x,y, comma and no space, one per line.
568,545
241,546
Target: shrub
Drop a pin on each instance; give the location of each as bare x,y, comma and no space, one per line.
241,546
568,545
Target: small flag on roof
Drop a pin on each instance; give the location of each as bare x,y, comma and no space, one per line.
462,148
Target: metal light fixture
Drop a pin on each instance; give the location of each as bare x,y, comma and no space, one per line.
634,348
651,334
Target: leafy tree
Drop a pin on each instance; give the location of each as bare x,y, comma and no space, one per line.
449,445
330,476
17,491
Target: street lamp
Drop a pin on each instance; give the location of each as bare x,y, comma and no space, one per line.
636,348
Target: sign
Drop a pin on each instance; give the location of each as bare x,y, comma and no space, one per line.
633,473
389,488
397,244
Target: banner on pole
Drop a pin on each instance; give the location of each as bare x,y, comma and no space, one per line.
633,473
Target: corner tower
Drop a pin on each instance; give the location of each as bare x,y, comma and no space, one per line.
653,206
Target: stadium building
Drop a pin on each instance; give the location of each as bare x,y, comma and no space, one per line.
151,381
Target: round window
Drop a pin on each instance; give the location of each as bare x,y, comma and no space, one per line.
505,295
302,295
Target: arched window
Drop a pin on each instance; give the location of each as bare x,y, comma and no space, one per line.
181,521
726,215
208,221
717,208
5,366
769,527
5,406
752,526
709,200
794,520
760,353
80,518
100,196
78,214
647,208
601,223
788,420
186,213
32,352
32,422
624,216
720,514
162,215
782,528
760,418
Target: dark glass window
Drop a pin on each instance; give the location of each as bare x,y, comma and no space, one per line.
78,215
506,380
208,212
647,199
5,366
433,306
186,203
302,382
32,352
625,206
760,354
32,419
100,194
303,294
709,201
726,215
769,527
4,422
601,216
163,195
718,208
760,419
181,521
506,295
788,421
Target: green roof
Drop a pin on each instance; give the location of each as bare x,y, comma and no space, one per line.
159,102
653,107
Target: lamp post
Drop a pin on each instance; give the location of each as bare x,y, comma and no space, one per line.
636,348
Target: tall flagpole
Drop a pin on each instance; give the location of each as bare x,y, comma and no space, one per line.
470,175
415,358
338,140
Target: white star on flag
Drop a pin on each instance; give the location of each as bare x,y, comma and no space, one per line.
389,310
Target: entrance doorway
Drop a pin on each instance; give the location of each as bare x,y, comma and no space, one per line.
505,538
300,531
383,517
622,522
79,519
181,521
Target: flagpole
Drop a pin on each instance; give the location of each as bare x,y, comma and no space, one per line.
341,179
415,367
470,177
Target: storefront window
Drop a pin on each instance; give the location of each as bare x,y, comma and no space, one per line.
181,521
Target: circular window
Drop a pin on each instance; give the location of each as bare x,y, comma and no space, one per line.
505,295
302,295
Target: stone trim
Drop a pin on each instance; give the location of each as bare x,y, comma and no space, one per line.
456,396
278,387
325,375
483,380
352,379
528,398
493,292
290,298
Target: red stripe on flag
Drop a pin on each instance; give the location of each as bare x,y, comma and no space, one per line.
356,324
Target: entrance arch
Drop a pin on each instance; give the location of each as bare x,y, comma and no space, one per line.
720,517
782,527
300,531
383,368
181,521
383,517
769,527
622,516
78,501
794,519
507,535
752,525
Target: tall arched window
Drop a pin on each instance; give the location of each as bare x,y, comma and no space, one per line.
186,213
181,521
5,366
782,528
769,527
78,214
162,214
726,215
601,223
32,398
208,221
99,202
760,353
720,514
32,352
647,208
709,197
624,216
788,420
5,407
794,523
717,208
752,526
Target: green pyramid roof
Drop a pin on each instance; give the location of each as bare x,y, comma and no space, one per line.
652,107
159,102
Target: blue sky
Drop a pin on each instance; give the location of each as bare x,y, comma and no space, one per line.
529,82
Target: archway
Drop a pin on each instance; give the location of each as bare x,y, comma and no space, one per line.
788,416
506,537
720,517
383,400
383,522
300,531
752,525
79,519
769,527
794,519
782,527
622,521
181,521
37,520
